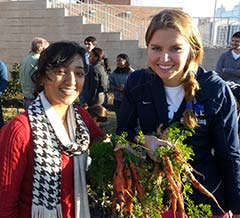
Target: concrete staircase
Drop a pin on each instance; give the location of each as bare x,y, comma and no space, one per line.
21,21
112,18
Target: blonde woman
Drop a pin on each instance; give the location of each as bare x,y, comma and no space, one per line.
175,89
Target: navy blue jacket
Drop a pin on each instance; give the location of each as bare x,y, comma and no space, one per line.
215,142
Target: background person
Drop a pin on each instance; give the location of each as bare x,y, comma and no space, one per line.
27,68
90,43
3,85
228,65
118,79
98,113
44,151
97,83
170,91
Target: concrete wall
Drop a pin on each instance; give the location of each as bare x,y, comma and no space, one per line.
21,21
211,57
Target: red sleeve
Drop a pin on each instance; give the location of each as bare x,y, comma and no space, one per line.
14,137
95,131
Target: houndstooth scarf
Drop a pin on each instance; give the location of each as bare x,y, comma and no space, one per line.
50,139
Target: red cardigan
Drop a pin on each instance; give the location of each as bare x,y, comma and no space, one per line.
16,168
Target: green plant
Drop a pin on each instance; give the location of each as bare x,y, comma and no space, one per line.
100,175
103,163
12,97
159,183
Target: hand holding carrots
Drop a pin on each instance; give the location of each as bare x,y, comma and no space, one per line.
136,180
152,143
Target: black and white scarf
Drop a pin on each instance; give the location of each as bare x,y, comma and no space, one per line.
50,139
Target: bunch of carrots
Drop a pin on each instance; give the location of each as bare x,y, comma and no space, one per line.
126,183
174,171
138,181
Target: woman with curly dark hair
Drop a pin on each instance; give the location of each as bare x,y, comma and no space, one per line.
44,151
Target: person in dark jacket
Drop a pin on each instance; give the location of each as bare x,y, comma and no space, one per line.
118,79
97,83
90,43
174,89
3,85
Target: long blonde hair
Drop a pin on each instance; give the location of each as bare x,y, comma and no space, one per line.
183,23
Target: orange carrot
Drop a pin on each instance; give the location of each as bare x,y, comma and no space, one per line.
173,198
201,188
129,192
174,203
128,177
179,158
169,166
169,173
119,182
181,208
175,185
137,181
119,160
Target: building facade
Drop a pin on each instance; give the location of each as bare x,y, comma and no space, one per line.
227,23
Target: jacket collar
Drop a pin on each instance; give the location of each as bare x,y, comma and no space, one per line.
158,92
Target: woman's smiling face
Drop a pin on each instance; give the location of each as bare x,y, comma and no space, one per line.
64,84
167,55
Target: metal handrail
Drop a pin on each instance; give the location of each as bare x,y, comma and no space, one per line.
130,27
133,27
215,31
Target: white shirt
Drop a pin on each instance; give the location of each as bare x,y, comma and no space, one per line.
235,55
174,97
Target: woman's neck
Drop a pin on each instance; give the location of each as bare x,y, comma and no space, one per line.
62,113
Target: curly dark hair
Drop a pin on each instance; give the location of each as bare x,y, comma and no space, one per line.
58,54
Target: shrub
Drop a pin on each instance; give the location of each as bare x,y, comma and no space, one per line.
12,97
